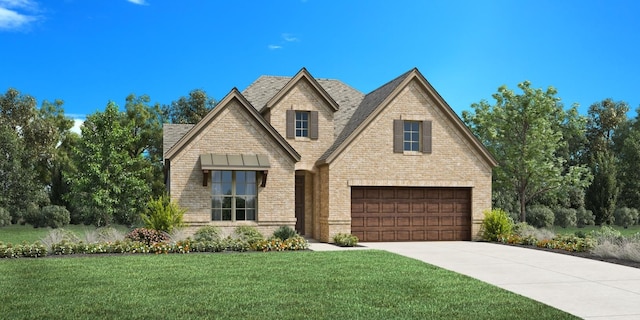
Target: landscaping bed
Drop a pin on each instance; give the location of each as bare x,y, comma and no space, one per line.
587,255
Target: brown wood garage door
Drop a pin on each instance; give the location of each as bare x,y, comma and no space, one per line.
410,213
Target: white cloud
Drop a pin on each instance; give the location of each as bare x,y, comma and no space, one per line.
274,47
12,16
139,2
77,123
289,37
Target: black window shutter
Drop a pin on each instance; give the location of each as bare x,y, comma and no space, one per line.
313,125
398,136
291,124
426,136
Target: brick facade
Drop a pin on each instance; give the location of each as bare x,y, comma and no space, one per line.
362,156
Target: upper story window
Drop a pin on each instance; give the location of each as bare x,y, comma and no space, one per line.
302,123
233,196
411,136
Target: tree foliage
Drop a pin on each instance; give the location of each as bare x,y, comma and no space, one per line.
109,183
605,118
626,146
525,132
29,137
189,109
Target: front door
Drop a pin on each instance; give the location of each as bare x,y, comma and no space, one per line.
300,204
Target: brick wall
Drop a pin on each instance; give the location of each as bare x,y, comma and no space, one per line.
304,97
369,161
233,131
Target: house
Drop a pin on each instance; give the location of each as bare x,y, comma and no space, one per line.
396,164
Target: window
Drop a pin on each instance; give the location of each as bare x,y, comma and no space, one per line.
302,123
234,196
411,134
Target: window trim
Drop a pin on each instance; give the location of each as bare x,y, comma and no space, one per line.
291,125
234,196
302,131
425,136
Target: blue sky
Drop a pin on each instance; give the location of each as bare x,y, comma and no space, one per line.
87,52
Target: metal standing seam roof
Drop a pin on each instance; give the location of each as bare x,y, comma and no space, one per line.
215,161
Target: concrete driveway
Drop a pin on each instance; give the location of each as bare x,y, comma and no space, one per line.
586,288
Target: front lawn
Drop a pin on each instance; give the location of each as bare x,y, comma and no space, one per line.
16,233
365,284
631,230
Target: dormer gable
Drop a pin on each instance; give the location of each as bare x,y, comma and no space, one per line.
302,75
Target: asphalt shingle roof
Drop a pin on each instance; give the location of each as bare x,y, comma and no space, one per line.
171,133
266,87
370,103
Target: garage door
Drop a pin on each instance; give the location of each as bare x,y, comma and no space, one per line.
410,214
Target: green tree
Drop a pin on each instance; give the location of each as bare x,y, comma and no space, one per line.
146,121
524,133
109,183
189,109
604,119
627,149
28,141
603,191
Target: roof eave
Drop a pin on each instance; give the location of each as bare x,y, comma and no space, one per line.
233,94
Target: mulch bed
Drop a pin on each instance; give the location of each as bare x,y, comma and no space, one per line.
587,255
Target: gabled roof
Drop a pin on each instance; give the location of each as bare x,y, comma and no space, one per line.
374,102
266,87
171,133
279,94
246,105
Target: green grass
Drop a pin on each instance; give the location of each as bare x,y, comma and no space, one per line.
362,284
16,233
572,230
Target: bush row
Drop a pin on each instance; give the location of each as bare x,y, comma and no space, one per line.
143,240
541,216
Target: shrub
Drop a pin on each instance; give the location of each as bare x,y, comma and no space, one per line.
58,235
530,235
248,234
48,216
207,233
55,216
565,217
104,234
147,236
345,240
162,214
5,217
584,217
540,216
276,244
496,223
284,233
625,248
607,233
626,217
33,250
